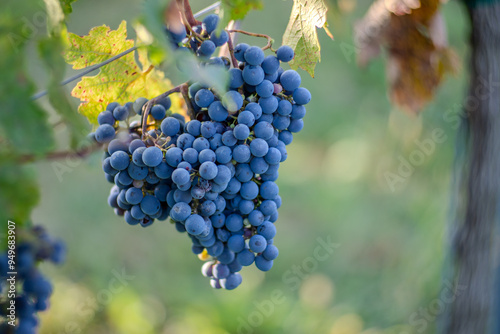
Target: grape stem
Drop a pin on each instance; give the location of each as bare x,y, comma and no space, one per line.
147,107
188,17
230,48
185,95
269,39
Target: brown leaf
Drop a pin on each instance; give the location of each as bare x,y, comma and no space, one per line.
414,35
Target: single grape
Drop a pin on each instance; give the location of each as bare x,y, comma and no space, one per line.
285,53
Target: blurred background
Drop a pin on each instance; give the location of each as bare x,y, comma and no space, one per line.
383,271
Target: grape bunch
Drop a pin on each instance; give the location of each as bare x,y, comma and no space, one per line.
215,175
32,288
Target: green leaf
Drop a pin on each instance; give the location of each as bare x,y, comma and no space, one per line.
19,193
301,35
50,51
122,80
66,6
23,124
238,9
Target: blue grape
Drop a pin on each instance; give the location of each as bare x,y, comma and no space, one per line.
193,127
239,51
220,39
195,224
262,264
223,175
257,243
245,257
223,154
285,53
170,126
263,130
236,243
134,196
158,112
298,111
150,205
269,190
241,153
249,190
163,170
296,125
301,96
254,55
135,144
265,88
208,170
217,111
207,48
284,108
120,113
185,141
256,218
180,176
241,132
190,155
290,80
273,156
204,98
208,129
281,122
268,104
104,133
270,64
152,156
253,75
243,173
210,23
246,117
228,138
173,156
255,109
234,222
232,101
206,155
259,147
235,78
227,256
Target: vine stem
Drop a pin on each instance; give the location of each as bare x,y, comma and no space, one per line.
188,17
230,48
81,153
147,107
185,95
269,39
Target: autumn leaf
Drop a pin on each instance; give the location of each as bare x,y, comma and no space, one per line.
414,34
122,81
301,34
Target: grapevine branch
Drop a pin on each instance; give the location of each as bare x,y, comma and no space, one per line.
269,39
57,155
147,107
230,48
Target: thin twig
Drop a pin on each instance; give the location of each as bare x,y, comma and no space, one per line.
189,14
230,48
87,71
81,153
181,4
147,107
185,95
269,39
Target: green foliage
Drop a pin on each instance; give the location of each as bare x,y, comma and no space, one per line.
66,6
22,122
122,81
301,33
238,9
19,193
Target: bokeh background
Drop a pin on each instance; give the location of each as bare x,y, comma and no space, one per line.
384,274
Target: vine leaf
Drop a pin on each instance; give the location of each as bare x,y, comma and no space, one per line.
23,123
22,195
238,9
414,34
66,6
301,35
122,81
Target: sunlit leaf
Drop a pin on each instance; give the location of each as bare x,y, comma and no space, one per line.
122,81
301,35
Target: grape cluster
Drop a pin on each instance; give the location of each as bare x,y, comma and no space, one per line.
32,288
214,176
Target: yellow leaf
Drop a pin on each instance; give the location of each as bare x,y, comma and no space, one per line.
122,81
301,35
